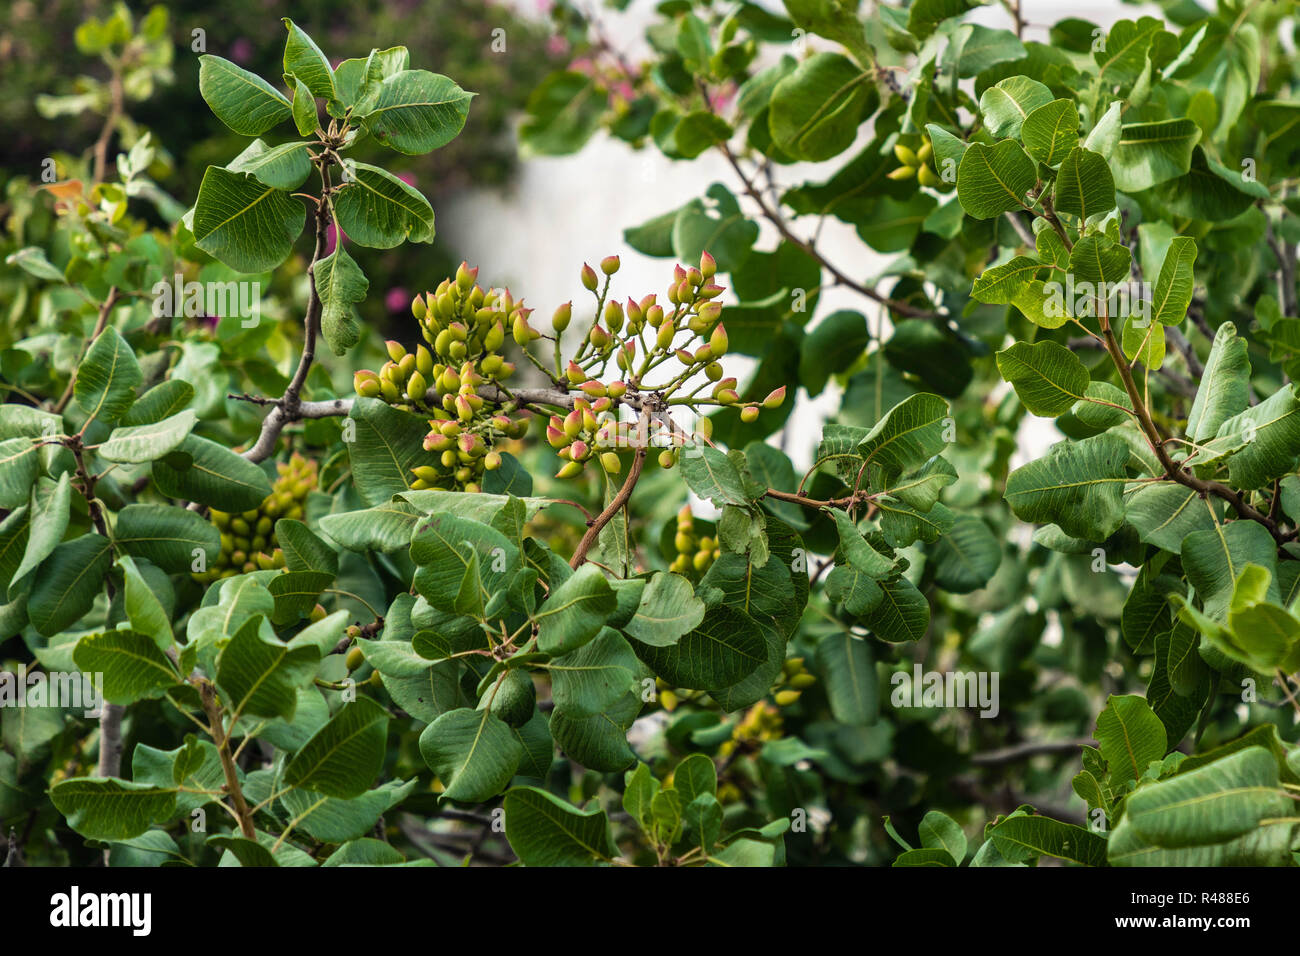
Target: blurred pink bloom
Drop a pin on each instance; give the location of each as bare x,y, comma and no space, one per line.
557,44
397,299
332,237
408,178
241,51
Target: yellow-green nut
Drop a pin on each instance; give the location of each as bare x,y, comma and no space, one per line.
609,265
492,461
926,177
902,172
570,469
562,316
355,658
667,458
395,350
588,277
784,698
416,386
719,342
749,414
800,681
610,462
774,398
424,361
419,308
905,155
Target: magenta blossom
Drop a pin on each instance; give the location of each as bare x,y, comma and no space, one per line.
241,51
397,299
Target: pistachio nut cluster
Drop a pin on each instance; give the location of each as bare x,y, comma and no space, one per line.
761,722
795,678
466,329
916,163
694,552
248,538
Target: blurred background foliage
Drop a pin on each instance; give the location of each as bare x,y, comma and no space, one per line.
56,80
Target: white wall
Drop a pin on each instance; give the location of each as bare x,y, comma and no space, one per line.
561,212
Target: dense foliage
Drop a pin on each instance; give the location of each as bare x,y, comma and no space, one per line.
446,597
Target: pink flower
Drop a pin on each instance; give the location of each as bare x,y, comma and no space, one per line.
241,51
397,299
408,178
557,45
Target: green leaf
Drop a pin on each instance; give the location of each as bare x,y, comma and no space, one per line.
107,378
303,550
283,167
340,284
668,608
1003,284
68,581
20,463
260,676
992,180
305,117
378,210
1021,838
242,100
1130,737
133,666
1214,559
1150,153
1076,485
136,444
713,476
343,758
332,820
296,594
815,112
718,226
575,611
1007,104
386,527
940,831
454,553
599,742
48,521
1048,377
544,830
1164,513
474,754
1225,384
417,111
216,476
1231,812
388,444
924,15
166,536
849,674
1051,131
108,809
966,558
1263,441
561,115
144,609
1175,285
1098,258
1084,185
910,433
727,645
304,59
249,226
594,677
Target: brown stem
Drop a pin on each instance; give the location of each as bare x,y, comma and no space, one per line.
110,123
606,516
993,758
289,407
775,218
113,298
1171,467
221,739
